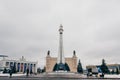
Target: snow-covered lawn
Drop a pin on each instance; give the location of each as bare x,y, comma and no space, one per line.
112,76
12,74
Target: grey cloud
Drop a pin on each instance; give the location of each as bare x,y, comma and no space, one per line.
30,28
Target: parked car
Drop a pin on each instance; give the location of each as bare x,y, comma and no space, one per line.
95,72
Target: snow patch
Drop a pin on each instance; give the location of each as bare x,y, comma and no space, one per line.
112,76
12,74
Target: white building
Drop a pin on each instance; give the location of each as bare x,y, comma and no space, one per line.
21,65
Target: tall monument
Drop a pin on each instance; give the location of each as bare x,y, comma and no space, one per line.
61,58
61,65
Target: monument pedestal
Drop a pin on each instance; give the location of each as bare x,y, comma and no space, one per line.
61,67
67,75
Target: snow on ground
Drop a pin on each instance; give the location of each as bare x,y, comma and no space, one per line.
12,74
112,76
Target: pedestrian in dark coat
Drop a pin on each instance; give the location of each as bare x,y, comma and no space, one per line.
10,72
27,71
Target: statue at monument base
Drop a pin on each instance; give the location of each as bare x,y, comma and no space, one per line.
61,67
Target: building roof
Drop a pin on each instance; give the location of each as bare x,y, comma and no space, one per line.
3,56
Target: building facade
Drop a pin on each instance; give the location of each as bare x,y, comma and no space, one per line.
20,65
111,67
71,61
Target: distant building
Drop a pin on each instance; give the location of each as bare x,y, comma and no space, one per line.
20,65
111,67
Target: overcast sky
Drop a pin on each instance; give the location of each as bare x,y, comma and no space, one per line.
29,28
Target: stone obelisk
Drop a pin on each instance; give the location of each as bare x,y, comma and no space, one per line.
61,58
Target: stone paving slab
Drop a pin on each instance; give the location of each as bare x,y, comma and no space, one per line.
56,77
47,78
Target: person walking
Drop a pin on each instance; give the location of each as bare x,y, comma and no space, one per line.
10,72
27,72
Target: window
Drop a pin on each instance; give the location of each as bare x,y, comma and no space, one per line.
7,64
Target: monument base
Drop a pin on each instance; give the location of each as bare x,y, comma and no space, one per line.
67,75
60,67
61,73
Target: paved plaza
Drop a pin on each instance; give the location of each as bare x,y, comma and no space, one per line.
55,77
51,78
